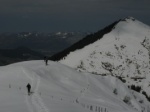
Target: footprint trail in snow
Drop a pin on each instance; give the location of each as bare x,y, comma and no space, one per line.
34,101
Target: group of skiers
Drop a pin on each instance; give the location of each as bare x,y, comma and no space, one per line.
28,85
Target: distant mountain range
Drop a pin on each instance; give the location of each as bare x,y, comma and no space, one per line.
121,50
46,43
24,46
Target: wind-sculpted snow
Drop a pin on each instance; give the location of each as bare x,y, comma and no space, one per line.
58,88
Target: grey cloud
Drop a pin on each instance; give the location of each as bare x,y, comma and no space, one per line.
58,6
62,14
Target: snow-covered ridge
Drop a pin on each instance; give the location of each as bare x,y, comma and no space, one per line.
124,53
58,88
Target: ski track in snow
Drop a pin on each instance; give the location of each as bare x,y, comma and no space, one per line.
84,90
34,101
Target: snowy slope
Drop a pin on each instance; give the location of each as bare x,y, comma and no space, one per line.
124,52
58,88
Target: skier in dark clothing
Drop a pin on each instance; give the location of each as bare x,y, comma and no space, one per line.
46,60
28,88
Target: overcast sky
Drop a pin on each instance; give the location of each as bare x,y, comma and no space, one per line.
68,15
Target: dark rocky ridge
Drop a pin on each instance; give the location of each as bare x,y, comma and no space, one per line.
83,42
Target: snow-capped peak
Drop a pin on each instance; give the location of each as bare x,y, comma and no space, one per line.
129,18
124,52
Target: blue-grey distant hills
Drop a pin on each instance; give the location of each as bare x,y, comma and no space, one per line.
24,46
46,43
8,56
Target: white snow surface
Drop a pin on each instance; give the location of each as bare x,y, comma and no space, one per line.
128,32
124,52
58,88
